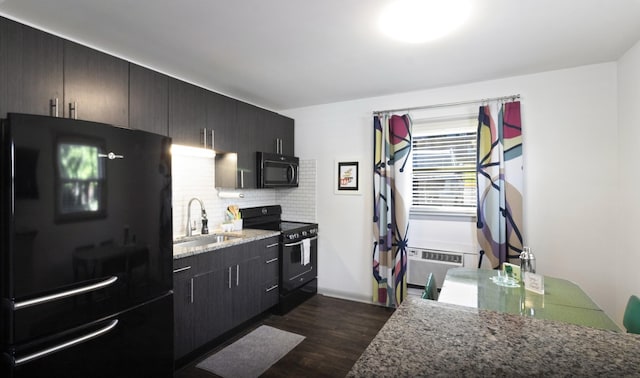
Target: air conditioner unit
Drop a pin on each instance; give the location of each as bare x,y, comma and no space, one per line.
424,261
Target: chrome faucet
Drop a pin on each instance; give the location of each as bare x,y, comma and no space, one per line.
203,218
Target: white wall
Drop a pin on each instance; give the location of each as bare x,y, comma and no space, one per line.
628,219
570,136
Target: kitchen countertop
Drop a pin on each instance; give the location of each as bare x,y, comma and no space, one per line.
428,338
238,237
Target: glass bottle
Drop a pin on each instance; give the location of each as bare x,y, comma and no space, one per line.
527,261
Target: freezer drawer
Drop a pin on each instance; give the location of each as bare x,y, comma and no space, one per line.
135,343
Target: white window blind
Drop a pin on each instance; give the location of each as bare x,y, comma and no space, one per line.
444,166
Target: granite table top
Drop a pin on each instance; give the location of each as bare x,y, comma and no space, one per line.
428,338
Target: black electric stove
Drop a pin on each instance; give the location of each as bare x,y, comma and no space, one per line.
298,253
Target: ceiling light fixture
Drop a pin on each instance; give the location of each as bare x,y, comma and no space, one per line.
417,21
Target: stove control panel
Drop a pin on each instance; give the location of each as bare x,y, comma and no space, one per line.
302,234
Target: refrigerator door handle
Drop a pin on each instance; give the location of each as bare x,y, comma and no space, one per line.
65,345
65,294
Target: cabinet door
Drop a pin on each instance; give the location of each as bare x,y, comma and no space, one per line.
250,122
212,310
247,293
221,118
30,70
96,85
148,100
244,264
279,134
183,308
187,114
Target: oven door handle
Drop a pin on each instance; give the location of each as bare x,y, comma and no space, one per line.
298,243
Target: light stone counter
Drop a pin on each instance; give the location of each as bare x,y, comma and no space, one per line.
428,338
239,237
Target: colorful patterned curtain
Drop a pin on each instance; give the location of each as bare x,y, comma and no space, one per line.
500,182
391,184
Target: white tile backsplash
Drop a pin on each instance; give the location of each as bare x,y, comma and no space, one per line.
299,204
195,177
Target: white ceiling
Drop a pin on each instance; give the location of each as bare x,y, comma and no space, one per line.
284,54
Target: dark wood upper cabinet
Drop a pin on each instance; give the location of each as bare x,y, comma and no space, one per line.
250,120
31,70
188,114
96,85
39,70
148,100
279,134
221,118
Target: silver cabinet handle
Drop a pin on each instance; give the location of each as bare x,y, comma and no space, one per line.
53,107
65,294
70,343
229,277
182,269
191,291
298,243
271,288
237,275
204,137
205,144
273,245
213,139
73,110
242,179
270,261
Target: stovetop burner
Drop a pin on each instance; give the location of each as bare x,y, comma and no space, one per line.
286,226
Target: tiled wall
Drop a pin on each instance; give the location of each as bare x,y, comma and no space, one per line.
299,204
195,176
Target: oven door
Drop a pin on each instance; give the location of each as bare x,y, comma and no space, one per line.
299,263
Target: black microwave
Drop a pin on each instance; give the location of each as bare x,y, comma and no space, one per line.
277,171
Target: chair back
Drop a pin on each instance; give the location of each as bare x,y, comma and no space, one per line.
430,291
631,320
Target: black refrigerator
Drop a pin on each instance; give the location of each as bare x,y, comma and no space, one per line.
86,250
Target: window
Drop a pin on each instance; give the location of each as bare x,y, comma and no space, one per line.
444,166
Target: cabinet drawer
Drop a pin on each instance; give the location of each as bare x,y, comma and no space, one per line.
270,295
270,267
183,265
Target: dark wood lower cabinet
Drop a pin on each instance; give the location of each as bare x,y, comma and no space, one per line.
183,306
211,316
270,272
221,290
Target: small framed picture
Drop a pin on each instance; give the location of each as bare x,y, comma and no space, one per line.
347,177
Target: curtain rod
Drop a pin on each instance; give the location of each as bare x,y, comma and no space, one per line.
512,97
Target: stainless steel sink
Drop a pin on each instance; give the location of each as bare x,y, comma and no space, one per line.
195,241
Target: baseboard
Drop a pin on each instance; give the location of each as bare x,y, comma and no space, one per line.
346,295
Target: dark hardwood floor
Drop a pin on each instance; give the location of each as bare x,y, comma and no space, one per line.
337,332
